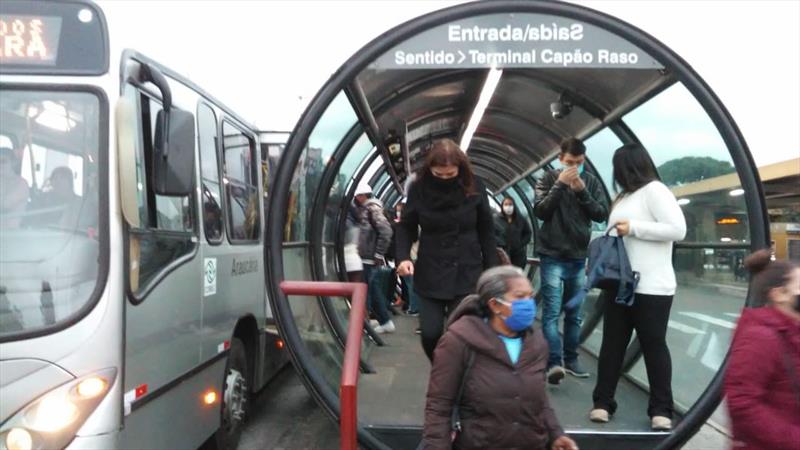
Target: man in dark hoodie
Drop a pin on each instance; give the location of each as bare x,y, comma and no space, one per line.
567,200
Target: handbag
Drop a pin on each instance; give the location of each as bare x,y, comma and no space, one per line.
609,269
455,415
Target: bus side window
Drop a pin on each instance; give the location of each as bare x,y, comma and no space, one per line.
166,227
241,185
171,213
209,173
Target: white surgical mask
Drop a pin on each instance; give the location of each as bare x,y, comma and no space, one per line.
508,209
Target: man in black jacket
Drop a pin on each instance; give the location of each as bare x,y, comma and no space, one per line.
567,201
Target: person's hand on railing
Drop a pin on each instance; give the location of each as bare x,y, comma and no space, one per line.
405,268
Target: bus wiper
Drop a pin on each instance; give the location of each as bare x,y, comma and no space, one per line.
46,301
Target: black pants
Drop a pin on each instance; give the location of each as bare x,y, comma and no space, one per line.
648,316
432,315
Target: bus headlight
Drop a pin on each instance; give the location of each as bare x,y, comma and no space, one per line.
19,439
52,420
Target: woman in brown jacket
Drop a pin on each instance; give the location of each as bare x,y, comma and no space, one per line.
491,346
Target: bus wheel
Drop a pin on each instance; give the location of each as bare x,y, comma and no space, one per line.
234,397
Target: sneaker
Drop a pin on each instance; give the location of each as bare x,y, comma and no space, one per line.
599,415
576,369
555,374
418,330
374,323
412,313
388,327
660,423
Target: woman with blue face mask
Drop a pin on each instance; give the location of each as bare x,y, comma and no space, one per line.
489,367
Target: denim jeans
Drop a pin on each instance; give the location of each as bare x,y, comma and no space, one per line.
410,295
376,296
561,279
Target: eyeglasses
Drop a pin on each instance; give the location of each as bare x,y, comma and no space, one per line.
508,303
503,301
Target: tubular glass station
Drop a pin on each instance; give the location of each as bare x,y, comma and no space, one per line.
510,80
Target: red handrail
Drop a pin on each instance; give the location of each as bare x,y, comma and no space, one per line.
348,411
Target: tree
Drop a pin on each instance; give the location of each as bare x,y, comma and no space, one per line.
692,168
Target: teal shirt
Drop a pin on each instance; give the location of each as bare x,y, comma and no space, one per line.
513,347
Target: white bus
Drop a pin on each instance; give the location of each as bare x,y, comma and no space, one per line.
133,308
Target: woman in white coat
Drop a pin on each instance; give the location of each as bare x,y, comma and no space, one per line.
649,218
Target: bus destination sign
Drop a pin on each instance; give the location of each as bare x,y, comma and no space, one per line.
29,40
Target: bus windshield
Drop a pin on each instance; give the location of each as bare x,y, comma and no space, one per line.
49,243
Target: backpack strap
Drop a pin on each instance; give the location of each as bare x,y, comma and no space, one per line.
455,415
627,286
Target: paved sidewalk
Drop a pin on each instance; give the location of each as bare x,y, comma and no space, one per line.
708,439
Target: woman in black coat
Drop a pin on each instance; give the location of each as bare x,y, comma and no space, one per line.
513,233
456,243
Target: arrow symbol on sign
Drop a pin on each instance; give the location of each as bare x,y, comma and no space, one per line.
461,56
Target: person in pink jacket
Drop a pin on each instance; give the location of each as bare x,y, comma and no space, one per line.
762,382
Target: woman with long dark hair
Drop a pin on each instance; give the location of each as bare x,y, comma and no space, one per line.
762,382
449,205
513,233
648,217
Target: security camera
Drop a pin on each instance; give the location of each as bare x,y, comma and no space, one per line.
561,108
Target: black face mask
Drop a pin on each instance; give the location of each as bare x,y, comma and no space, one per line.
443,183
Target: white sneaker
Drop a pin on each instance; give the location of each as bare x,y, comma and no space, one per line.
661,423
374,324
598,415
388,327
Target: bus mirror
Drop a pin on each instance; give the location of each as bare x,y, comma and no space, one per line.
153,75
173,159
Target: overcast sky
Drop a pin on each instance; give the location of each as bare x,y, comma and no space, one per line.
268,59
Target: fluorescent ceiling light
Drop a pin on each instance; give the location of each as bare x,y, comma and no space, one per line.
736,192
492,79
726,239
52,115
684,201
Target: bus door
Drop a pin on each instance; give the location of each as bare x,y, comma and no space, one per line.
164,290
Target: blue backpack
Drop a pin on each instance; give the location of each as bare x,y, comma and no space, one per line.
609,269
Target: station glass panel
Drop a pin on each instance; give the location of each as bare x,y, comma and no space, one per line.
308,315
329,131
331,221
600,150
309,320
694,162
